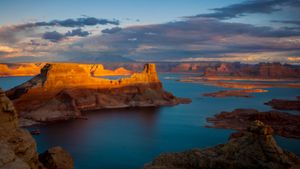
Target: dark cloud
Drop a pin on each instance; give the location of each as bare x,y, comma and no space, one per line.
193,38
112,30
79,22
250,7
77,32
56,36
53,36
15,33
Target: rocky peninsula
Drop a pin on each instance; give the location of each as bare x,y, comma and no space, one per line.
281,104
284,124
18,148
253,147
62,90
235,93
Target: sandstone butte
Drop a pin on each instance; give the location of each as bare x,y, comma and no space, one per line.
32,69
252,148
18,148
63,90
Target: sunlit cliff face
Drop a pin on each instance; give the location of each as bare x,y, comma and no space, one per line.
32,69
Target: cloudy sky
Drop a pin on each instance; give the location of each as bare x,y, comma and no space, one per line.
248,31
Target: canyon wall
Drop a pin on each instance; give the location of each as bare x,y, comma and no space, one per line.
261,70
63,90
18,148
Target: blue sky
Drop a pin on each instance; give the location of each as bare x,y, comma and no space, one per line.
154,11
156,30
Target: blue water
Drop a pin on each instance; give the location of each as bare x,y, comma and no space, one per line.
129,138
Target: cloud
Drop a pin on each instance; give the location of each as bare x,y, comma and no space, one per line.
77,32
53,36
250,7
78,22
14,33
7,49
194,38
112,30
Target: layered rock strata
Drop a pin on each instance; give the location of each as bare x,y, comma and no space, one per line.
253,148
61,91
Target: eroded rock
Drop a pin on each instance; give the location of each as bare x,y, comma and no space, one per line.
281,104
17,146
284,124
63,90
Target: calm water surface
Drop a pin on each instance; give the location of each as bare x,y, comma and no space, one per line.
129,138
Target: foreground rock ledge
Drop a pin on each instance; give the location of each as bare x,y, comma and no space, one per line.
62,90
18,148
284,124
253,148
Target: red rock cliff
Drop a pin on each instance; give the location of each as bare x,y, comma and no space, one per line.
63,90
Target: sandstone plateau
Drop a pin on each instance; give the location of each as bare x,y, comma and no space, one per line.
18,148
284,124
32,69
282,104
252,148
63,90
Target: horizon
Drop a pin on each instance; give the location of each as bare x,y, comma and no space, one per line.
169,31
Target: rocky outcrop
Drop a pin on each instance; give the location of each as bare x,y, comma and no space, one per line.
281,104
253,148
17,147
284,124
56,158
62,90
259,71
235,93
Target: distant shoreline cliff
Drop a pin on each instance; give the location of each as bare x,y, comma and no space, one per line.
209,70
62,90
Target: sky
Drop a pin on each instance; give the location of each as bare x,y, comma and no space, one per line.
248,31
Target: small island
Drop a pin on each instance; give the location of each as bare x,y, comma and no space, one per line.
235,93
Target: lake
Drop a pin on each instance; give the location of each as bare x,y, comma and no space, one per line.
129,138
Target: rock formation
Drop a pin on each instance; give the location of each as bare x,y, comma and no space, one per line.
235,93
259,71
32,69
62,90
20,69
17,147
284,124
254,148
281,104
